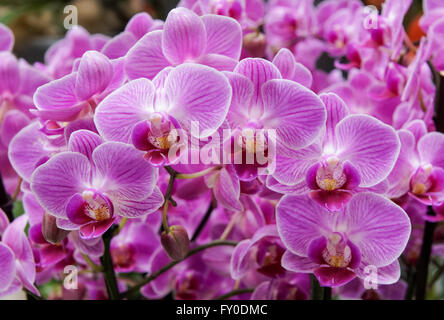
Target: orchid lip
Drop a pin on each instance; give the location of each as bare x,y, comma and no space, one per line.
424,181
337,253
161,134
97,206
158,133
252,138
86,208
330,175
53,128
269,256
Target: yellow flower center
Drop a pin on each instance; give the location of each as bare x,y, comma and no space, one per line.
95,206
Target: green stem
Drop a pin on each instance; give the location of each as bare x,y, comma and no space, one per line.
173,263
438,273
122,224
234,293
32,296
94,267
411,280
5,201
327,293
422,266
108,268
438,117
316,289
229,227
203,222
168,193
196,174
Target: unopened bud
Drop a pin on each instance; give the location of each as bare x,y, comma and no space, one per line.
51,232
176,242
370,294
254,44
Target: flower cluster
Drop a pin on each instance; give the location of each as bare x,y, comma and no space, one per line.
209,155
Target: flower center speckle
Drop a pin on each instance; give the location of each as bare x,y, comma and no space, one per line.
337,253
162,132
330,175
96,206
420,182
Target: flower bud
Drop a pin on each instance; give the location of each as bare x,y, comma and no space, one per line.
254,44
370,294
176,242
51,232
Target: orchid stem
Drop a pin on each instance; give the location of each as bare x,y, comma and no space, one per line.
173,175
234,293
17,190
411,280
32,296
5,201
94,267
316,289
438,273
203,222
108,268
167,267
229,227
196,174
327,293
122,224
438,117
422,266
